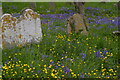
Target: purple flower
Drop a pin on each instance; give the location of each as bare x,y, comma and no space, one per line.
52,62
15,58
110,26
16,15
104,52
68,59
13,7
44,21
1,67
62,64
63,55
83,55
66,69
89,8
38,71
31,65
98,54
43,56
56,66
82,76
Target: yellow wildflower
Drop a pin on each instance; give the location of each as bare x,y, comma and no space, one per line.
25,65
29,69
44,65
78,42
60,70
101,52
111,70
38,45
25,70
33,67
62,75
94,73
68,39
53,70
13,74
65,56
62,66
52,74
89,74
86,38
103,74
72,73
28,76
103,70
51,60
70,70
50,66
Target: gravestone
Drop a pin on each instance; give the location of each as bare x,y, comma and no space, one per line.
77,24
0,43
0,25
18,32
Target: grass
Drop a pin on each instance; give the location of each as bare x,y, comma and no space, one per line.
61,56
0,4
0,62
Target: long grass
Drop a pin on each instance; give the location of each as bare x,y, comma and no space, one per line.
61,56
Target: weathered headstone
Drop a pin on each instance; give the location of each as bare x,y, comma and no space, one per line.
18,32
8,29
0,25
76,24
0,43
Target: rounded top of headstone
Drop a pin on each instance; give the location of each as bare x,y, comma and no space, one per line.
29,13
29,10
6,15
7,18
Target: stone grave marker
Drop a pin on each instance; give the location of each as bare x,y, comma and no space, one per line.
18,32
76,24
0,25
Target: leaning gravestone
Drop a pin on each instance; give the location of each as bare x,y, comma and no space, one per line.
18,32
77,24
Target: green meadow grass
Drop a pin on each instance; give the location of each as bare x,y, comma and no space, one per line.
0,62
0,4
59,55
42,6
